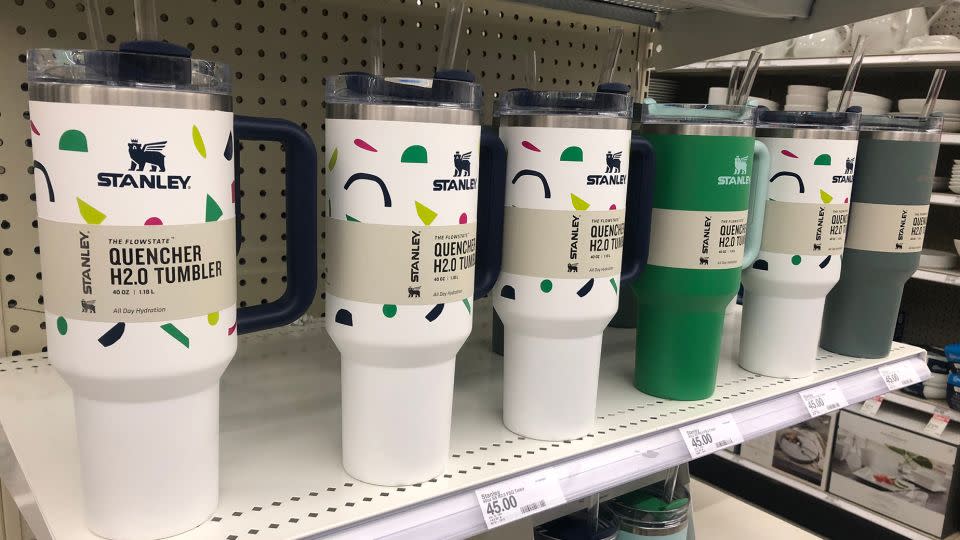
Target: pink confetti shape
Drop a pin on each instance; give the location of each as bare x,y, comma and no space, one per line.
463,218
613,207
33,128
529,146
846,199
364,145
153,221
232,329
788,153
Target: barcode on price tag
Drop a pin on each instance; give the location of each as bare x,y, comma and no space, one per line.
513,499
711,435
938,422
898,375
822,399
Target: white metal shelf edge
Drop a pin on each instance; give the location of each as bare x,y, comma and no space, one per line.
814,491
918,61
950,277
950,138
280,450
945,199
929,406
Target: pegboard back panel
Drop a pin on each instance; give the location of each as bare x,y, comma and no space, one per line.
280,53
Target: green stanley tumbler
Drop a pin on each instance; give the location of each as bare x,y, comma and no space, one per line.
707,161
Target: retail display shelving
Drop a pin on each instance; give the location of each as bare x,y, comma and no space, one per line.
814,491
939,275
945,199
280,449
950,138
930,406
903,62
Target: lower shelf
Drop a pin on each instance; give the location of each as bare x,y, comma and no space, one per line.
281,476
948,276
814,491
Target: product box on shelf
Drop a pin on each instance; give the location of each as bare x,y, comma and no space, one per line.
889,466
802,450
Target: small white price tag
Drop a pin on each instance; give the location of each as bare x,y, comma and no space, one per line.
898,375
951,279
871,406
708,436
518,497
938,422
824,398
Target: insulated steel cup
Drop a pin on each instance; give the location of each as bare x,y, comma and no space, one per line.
812,156
708,164
402,245
888,219
134,162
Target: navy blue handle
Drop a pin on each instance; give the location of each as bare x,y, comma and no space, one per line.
301,201
636,243
490,197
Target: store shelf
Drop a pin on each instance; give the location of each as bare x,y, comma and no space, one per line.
903,62
816,492
280,448
950,277
923,405
950,138
945,199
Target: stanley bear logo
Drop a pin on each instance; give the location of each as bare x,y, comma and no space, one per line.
143,154
704,261
613,162
461,163
739,165
87,306
572,267
413,292
849,169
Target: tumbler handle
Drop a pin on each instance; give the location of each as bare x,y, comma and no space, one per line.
636,246
490,199
758,202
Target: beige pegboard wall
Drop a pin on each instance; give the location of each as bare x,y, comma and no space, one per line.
280,53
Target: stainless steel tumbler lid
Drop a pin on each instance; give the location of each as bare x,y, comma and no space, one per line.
363,96
697,119
808,124
901,127
595,110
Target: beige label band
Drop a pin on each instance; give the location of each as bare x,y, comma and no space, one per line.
561,243
697,240
400,264
138,274
804,229
888,228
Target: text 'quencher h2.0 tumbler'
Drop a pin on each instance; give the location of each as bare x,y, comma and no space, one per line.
565,215
403,178
710,170
134,162
888,219
812,156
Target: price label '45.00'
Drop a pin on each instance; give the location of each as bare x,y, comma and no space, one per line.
898,375
708,436
517,497
824,398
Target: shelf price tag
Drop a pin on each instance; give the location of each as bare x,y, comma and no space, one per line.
519,497
938,422
898,375
871,406
824,398
711,435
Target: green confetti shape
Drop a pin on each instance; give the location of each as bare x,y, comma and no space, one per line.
176,334
214,212
414,154
466,302
333,160
613,282
90,214
198,142
426,215
578,203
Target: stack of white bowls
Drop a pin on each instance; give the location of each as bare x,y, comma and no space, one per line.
871,104
954,184
718,96
663,90
802,97
950,108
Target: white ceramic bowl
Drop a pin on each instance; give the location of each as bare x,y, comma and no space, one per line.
770,104
863,99
807,90
717,95
956,245
946,106
806,99
935,392
955,189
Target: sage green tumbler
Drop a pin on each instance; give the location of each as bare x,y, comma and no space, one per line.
707,161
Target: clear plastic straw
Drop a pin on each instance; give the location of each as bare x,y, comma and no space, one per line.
670,484
853,73
733,83
95,23
452,23
376,51
145,17
934,92
613,54
749,75
593,512
529,75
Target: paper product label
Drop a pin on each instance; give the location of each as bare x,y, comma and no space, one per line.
822,399
871,406
887,228
399,264
139,274
898,375
711,435
562,244
694,239
804,229
518,497
938,422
